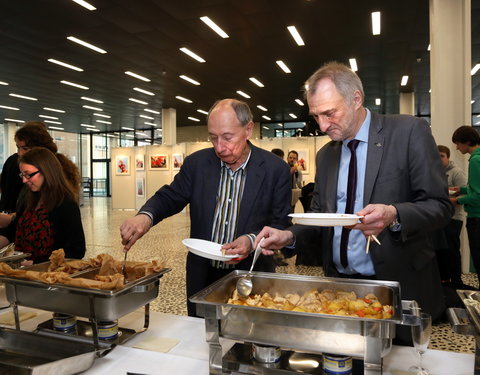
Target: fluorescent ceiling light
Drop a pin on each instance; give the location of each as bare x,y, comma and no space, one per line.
266,117
55,128
52,122
193,55
292,115
404,81
86,44
85,4
13,120
103,122
137,101
266,127
245,95
378,101
262,108
91,100
74,85
202,111
53,110
143,134
129,135
69,66
193,119
102,115
353,64
257,82
183,99
299,102
3,83
144,91
87,126
188,79
93,129
137,76
472,101
92,108
429,47
475,69
376,23
149,123
214,27
12,108
50,117
282,65
124,127
147,117
296,35
151,111
478,115
23,97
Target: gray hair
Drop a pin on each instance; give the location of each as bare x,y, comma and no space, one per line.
345,80
242,110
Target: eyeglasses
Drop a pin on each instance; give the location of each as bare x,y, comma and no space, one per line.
28,176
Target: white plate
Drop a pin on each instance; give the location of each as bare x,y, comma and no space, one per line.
325,220
206,249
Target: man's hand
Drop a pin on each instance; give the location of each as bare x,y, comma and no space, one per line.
274,239
376,217
241,246
134,228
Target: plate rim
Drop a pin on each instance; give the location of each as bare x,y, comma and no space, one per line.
203,254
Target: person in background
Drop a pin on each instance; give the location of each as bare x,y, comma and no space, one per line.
50,216
450,261
234,189
467,140
279,152
295,172
401,192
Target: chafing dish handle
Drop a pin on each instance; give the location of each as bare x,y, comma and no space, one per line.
413,318
460,322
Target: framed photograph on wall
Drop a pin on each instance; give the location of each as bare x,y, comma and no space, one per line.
177,161
303,162
122,165
140,187
139,162
158,162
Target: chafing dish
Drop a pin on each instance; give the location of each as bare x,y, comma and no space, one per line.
369,339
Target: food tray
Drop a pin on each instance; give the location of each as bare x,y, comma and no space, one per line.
30,353
85,302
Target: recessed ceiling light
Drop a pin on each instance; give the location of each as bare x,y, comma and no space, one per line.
144,91
85,4
103,122
13,120
202,111
151,111
50,117
91,99
472,101
292,115
299,102
53,110
245,95
266,127
92,108
147,117
93,129
137,101
142,134
87,126
137,76
378,101
214,27
193,119
262,108
475,69
353,64
52,122
125,128
283,66
296,35
86,44
149,123
404,81
3,83
102,115
376,23
266,118
23,97
74,85
183,99
11,108
55,128
69,66
257,82
188,79
429,47
193,55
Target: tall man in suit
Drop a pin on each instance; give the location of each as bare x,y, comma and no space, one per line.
401,190
234,189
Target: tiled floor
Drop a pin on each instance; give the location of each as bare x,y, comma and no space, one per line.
101,225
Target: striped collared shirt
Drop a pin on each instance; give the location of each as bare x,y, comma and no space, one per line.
227,210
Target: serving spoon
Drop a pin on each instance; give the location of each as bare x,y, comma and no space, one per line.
244,283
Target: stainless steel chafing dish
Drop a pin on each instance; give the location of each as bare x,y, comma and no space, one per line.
369,339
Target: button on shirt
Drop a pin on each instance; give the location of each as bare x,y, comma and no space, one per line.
358,260
229,197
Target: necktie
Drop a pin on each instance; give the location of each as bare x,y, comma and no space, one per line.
351,190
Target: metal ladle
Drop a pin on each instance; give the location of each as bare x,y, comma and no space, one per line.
244,283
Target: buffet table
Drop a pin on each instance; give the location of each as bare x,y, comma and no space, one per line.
189,354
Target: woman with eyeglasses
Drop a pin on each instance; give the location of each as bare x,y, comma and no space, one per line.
50,218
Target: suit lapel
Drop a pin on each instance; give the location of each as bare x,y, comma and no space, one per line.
331,178
374,156
211,181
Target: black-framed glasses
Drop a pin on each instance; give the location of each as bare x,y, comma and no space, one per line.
28,176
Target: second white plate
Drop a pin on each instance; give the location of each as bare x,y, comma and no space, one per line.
325,220
206,249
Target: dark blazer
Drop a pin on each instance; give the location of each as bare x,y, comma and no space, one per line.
404,169
266,201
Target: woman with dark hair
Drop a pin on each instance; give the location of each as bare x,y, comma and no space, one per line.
50,216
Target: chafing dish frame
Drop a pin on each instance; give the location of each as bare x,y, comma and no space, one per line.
301,331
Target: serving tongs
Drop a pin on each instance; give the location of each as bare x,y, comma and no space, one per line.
124,271
5,249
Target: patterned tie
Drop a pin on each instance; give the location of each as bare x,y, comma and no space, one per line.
351,190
